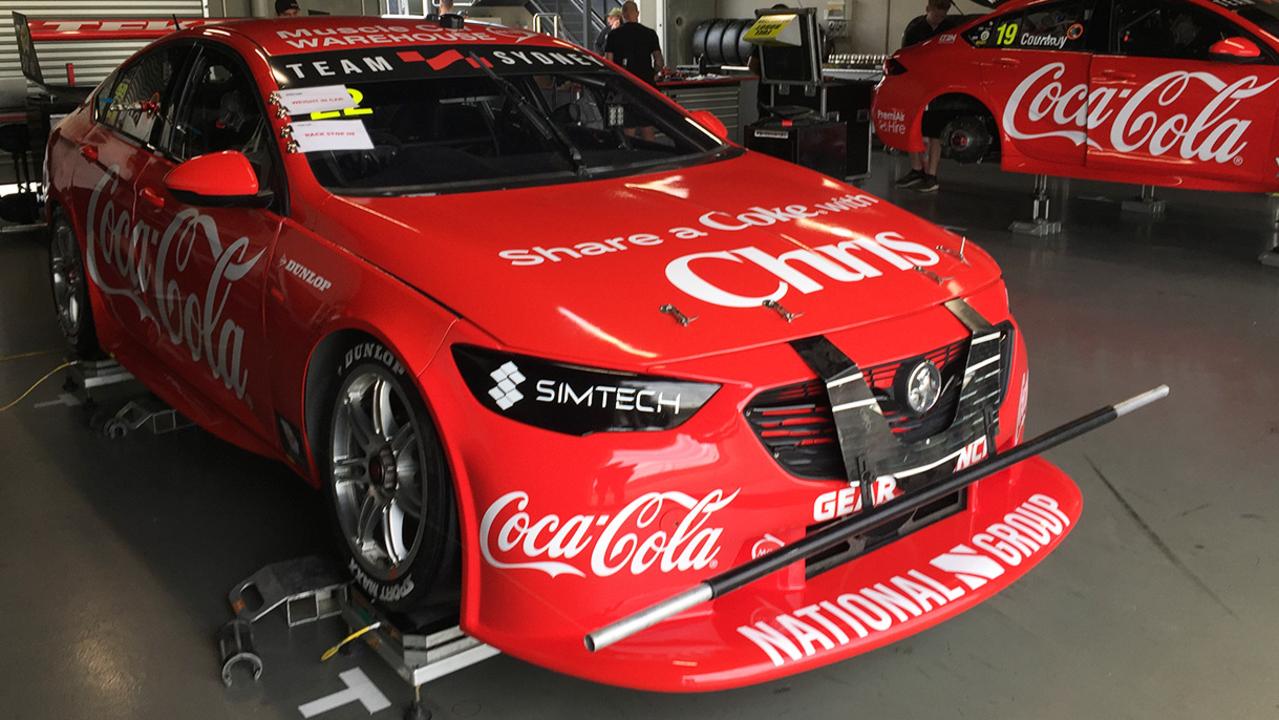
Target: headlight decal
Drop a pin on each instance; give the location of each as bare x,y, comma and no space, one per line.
576,400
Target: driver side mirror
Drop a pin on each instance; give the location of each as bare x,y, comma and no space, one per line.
712,124
220,179
1235,48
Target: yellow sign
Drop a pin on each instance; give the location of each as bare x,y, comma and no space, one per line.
775,31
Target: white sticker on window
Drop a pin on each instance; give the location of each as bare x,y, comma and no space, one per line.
326,98
322,135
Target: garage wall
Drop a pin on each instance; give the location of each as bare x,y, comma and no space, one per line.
93,60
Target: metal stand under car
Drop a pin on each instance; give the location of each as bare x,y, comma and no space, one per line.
1270,257
117,403
420,648
1039,225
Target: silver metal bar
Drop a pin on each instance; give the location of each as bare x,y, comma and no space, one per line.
648,617
1141,401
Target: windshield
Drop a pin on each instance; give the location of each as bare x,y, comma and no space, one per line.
464,119
1263,13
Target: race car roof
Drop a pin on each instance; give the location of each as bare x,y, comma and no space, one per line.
290,36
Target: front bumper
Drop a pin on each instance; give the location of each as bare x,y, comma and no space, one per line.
1014,519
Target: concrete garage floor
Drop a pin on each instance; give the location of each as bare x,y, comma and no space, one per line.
115,556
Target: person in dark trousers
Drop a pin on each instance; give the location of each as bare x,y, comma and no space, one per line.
923,165
287,8
635,46
611,23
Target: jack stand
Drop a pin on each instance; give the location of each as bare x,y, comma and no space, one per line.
421,648
1039,225
93,384
1270,258
1146,203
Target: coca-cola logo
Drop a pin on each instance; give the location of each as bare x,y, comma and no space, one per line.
1152,119
148,263
631,541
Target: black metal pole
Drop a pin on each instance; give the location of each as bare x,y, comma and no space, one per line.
840,531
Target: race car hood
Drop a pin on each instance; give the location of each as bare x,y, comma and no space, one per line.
649,269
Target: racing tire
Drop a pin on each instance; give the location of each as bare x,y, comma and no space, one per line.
388,484
70,289
967,139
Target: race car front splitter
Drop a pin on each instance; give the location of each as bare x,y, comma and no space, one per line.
1010,521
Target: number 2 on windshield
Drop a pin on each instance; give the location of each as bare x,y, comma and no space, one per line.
1006,34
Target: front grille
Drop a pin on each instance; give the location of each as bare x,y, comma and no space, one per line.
794,421
843,552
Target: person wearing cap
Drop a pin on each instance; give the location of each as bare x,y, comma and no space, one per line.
287,8
611,23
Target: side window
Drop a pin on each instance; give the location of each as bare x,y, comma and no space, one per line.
141,101
222,111
1052,26
1163,29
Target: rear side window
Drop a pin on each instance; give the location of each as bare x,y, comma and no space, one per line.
141,101
1066,26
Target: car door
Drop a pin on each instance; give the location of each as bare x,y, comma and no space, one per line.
1167,108
129,110
212,260
1034,64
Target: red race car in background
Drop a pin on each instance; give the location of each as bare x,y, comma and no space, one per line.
1164,92
547,342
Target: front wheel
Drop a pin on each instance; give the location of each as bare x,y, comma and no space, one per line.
389,485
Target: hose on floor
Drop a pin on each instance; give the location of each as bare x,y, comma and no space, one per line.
37,384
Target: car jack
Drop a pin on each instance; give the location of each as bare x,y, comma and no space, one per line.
419,648
1039,225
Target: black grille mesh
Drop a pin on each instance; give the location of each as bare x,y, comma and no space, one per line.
794,421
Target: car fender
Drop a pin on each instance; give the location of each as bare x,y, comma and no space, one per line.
319,297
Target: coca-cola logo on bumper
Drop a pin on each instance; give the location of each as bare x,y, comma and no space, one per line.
1157,118
632,541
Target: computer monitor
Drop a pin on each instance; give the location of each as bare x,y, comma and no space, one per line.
27,49
790,52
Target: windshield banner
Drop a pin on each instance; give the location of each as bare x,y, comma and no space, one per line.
410,63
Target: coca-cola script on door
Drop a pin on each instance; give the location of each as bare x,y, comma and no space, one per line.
1184,115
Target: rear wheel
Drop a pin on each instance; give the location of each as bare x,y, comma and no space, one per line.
389,485
70,288
968,138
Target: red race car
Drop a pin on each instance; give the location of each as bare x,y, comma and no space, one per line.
1152,92
547,342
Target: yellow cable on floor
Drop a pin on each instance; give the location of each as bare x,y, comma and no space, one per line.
353,636
19,356
37,384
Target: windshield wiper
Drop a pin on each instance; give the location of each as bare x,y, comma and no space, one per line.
540,120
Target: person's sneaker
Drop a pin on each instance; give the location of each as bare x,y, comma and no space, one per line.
910,179
927,185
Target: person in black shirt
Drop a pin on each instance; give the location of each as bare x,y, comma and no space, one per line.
611,23
634,46
923,166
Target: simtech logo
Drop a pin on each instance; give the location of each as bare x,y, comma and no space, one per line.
506,392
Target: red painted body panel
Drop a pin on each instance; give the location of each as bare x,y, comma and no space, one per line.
1114,118
424,274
